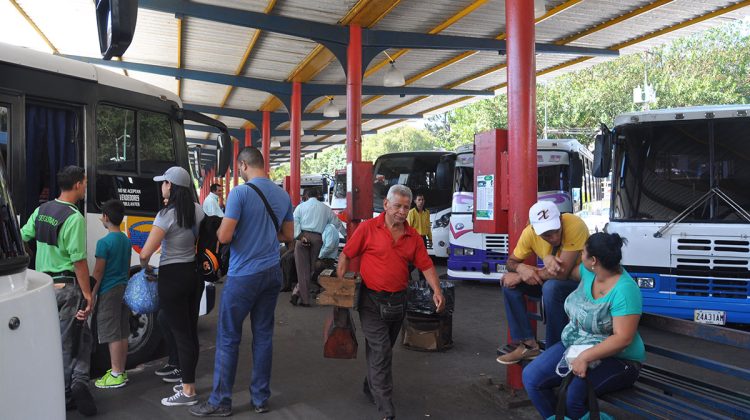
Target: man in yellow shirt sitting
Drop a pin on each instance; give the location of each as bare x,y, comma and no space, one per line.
558,240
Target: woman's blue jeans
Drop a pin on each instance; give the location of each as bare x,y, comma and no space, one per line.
540,379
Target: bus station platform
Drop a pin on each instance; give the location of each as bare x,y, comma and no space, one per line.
427,385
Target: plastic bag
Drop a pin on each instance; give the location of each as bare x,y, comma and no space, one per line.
141,295
571,353
419,297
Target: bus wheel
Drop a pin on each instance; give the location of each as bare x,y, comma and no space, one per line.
145,338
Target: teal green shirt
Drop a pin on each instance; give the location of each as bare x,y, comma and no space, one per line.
591,319
114,248
71,245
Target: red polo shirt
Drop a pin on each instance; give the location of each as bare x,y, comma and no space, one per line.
385,264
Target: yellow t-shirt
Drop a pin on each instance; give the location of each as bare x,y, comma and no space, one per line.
574,236
420,221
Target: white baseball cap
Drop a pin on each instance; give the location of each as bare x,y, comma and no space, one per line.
544,217
175,175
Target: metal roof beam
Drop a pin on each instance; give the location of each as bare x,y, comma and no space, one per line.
282,90
336,37
383,40
282,117
239,133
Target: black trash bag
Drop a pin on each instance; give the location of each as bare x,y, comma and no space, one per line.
419,297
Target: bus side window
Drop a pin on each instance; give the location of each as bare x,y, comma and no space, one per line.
4,132
115,139
156,145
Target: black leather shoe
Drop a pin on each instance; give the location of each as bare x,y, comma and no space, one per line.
304,305
83,399
294,300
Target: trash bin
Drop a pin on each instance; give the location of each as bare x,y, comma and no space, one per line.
424,329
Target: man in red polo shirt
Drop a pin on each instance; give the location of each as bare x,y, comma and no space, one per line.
386,245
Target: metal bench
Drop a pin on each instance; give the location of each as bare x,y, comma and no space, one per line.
662,393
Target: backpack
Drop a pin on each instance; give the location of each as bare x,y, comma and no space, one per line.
211,257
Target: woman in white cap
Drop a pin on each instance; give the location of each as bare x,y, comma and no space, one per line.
180,288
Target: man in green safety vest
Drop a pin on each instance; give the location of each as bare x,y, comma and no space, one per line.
60,233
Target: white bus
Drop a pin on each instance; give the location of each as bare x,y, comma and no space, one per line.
681,196
564,177
56,112
425,172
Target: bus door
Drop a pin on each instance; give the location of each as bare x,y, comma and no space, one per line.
53,136
38,142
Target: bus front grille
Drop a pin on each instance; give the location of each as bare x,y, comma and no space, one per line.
496,244
712,287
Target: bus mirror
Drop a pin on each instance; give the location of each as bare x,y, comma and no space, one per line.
115,20
224,152
444,174
602,153
576,171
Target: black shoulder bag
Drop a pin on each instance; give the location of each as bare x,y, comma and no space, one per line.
562,399
268,206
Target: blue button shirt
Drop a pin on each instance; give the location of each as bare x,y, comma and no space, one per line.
211,205
330,248
255,246
312,216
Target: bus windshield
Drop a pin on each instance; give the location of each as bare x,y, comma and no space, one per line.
662,169
420,171
553,178
339,189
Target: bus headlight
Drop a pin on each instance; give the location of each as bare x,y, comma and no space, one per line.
645,282
468,251
458,251
443,221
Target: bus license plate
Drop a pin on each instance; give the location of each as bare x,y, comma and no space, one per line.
710,317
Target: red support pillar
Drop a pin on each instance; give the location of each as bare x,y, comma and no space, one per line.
266,141
236,151
295,142
354,95
519,25
353,127
248,137
227,181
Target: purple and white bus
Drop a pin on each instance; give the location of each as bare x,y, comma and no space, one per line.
564,178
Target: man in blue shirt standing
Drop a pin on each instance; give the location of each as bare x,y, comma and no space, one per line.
256,220
211,203
310,218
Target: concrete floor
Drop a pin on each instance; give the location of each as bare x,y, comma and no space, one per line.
307,386
444,385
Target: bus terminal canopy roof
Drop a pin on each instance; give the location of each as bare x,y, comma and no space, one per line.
235,58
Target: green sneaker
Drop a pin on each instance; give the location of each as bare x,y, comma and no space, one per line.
109,381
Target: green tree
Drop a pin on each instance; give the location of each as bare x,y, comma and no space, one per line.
708,68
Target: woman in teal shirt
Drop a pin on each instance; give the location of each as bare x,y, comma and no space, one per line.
604,312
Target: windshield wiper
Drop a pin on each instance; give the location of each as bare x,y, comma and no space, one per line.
712,192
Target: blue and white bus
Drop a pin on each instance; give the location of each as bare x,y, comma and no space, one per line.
564,177
681,195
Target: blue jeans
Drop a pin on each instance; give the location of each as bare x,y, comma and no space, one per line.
256,295
539,379
553,293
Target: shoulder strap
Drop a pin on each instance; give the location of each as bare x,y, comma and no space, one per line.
265,202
